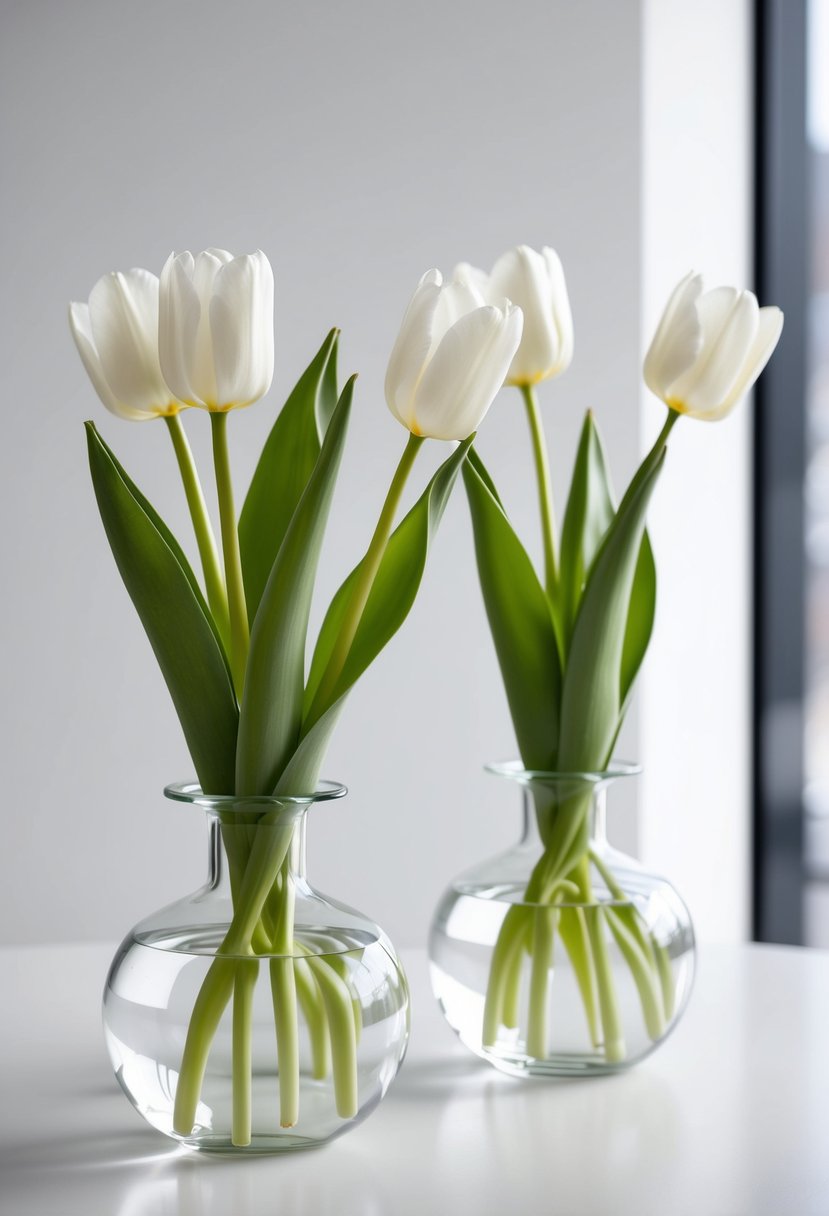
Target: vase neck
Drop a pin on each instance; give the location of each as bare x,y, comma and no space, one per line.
539,800
231,841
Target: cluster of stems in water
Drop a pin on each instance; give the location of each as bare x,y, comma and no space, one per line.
559,902
262,859
259,852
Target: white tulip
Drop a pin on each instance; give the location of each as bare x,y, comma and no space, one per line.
709,348
450,358
535,282
116,334
216,328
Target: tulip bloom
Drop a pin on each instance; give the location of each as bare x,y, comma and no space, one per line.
116,334
535,282
216,328
450,358
709,348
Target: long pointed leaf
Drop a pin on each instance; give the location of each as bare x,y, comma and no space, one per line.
641,613
590,511
177,621
391,598
521,623
591,704
285,465
588,515
271,715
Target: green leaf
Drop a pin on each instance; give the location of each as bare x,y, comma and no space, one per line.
285,465
389,602
302,772
591,704
589,513
587,516
641,613
480,468
329,393
271,716
177,621
521,622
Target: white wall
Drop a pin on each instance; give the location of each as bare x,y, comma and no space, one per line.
358,145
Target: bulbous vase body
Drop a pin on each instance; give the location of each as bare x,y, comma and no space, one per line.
255,1015
562,955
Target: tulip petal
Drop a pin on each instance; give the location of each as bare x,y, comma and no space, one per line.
562,312
207,266
123,313
473,277
520,275
468,368
769,328
179,311
678,338
81,328
241,329
411,348
455,301
722,359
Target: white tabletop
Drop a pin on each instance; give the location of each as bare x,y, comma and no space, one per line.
730,1116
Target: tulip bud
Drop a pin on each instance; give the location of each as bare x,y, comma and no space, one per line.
216,328
535,282
709,348
450,358
116,334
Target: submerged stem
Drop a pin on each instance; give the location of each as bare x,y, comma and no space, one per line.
247,974
543,934
283,989
211,1003
612,1034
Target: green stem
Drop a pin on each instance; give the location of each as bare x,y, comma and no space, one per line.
511,997
339,1010
511,937
313,1010
544,919
625,910
214,582
572,928
644,974
242,1056
367,572
239,631
545,488
273,842
283,988
612,1035
211,1003
653,455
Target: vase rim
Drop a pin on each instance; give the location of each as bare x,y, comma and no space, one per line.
514,770
191,792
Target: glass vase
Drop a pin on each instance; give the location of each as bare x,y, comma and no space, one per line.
255,1015
562,955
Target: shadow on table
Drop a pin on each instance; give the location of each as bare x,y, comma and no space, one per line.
140,1173
87,1151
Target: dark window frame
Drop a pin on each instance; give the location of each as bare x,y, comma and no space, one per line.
782,277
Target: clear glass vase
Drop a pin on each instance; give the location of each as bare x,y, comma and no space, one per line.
255,1015
562,955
